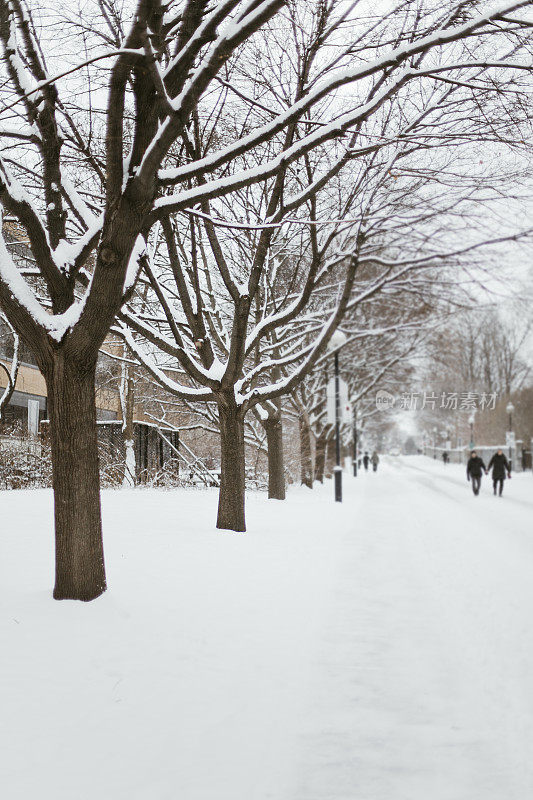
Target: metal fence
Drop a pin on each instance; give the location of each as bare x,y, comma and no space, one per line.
519,457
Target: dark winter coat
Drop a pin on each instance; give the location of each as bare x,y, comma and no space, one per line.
500,467
475,467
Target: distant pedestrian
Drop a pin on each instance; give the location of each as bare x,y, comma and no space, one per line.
474,470
375,461
445,458
366,461
500,468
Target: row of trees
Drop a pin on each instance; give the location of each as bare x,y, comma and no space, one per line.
222,184
483,352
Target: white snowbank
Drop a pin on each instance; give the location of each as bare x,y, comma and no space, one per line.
378,650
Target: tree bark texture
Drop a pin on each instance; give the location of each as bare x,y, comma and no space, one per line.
231,499
276,466
306,463
330,457
320,456
80,569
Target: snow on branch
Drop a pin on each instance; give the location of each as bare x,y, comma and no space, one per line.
179,390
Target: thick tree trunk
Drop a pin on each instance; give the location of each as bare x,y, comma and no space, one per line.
231,497
320,456
276,467
306,468
330,457
80,570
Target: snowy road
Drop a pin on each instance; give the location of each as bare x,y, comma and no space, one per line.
425,680
378,650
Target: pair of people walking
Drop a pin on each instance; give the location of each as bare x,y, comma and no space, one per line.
374,460
498,464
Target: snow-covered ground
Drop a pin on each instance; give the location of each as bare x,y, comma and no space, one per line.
381,649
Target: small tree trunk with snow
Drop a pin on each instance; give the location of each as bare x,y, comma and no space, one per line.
130,464
6,394
306,464
127,399
80,570
320,456
276,467
11,374
231,499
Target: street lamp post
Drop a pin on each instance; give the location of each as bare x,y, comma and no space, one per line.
435,442
510,410
471,420
354,442
336,342
338,469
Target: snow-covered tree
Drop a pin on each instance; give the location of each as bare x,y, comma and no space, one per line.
82,183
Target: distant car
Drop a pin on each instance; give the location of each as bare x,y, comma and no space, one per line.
395,451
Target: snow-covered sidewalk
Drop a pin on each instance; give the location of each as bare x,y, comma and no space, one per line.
378,650
424,683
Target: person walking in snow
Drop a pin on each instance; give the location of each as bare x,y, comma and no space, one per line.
366,460
500,468
375,461
474,470
445,458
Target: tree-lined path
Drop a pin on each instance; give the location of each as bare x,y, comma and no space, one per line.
379,649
